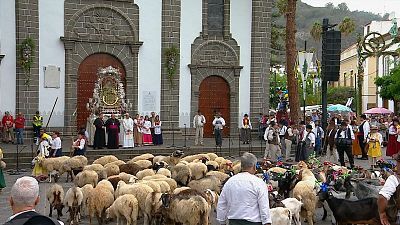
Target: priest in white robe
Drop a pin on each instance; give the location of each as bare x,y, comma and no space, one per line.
127,124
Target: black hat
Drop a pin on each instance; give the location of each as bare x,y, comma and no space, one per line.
81,132
308,126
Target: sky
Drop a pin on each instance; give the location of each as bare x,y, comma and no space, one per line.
375,6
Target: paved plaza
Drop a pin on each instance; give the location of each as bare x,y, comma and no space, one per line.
43,207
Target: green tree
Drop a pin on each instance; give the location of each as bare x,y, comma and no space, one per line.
390,85
347,26
277,82
343,7
340,95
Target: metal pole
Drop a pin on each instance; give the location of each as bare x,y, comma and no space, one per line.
185,136
51,114
304,88
355,91
324,84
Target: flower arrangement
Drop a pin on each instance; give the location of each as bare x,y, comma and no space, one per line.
171,62
25,53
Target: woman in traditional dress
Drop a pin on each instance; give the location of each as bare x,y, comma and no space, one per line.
137,132
355,147
2,166
374,140
127,124
79,145
39,172
245,129
158,140
147,139
393,144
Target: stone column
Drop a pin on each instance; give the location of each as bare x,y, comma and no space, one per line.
27,26
260,58
171,15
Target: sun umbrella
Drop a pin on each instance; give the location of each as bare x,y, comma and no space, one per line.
378,110
338,108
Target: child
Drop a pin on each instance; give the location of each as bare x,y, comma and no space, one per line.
56,150
374,140
2,166
79,145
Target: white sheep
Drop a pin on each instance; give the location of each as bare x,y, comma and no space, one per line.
111,169
179,189
125,206
144,164
191,158
106,185
140,191
304,192
198,170
99,200
86,177
73,200
144,173
219,175
171,160
146,156
280,216
105,159
74,163
99,169
171,182
153,184
164,171
208,182
86,192
212,166
155,176
118,163
54,165
212,156
152,208
181,174
294,206
178,207
55,196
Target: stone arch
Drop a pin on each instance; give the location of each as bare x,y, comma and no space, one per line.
215,52
70,29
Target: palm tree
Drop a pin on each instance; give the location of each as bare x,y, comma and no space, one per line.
288,8
347,26
316,31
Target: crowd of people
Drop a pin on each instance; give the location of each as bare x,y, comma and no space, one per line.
361,138
137,131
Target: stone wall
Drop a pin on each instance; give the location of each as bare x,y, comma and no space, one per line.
170,36
260,58
27,26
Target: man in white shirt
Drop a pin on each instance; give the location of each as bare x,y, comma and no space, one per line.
288,141
387,191
319,136
198,122
23,200
343,140
218,124
309,140
244,197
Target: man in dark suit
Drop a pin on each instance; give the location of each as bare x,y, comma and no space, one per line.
23,200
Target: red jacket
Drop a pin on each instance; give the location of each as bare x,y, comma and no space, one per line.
19,122
7,121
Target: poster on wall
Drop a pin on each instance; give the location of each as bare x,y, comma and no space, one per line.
52,76
149,101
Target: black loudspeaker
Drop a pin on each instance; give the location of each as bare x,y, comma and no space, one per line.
331,48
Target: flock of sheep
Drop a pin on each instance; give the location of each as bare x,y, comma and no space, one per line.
160,189
185,189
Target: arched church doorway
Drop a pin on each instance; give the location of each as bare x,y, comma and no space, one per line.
87,76
214,97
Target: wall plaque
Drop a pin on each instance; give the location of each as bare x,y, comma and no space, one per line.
52,76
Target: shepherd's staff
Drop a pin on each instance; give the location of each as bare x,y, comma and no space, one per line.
51,114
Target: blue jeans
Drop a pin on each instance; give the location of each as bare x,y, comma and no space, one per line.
20,135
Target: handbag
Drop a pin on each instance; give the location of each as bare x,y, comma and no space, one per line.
343,142
2,165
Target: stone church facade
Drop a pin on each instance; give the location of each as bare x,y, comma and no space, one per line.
223,63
